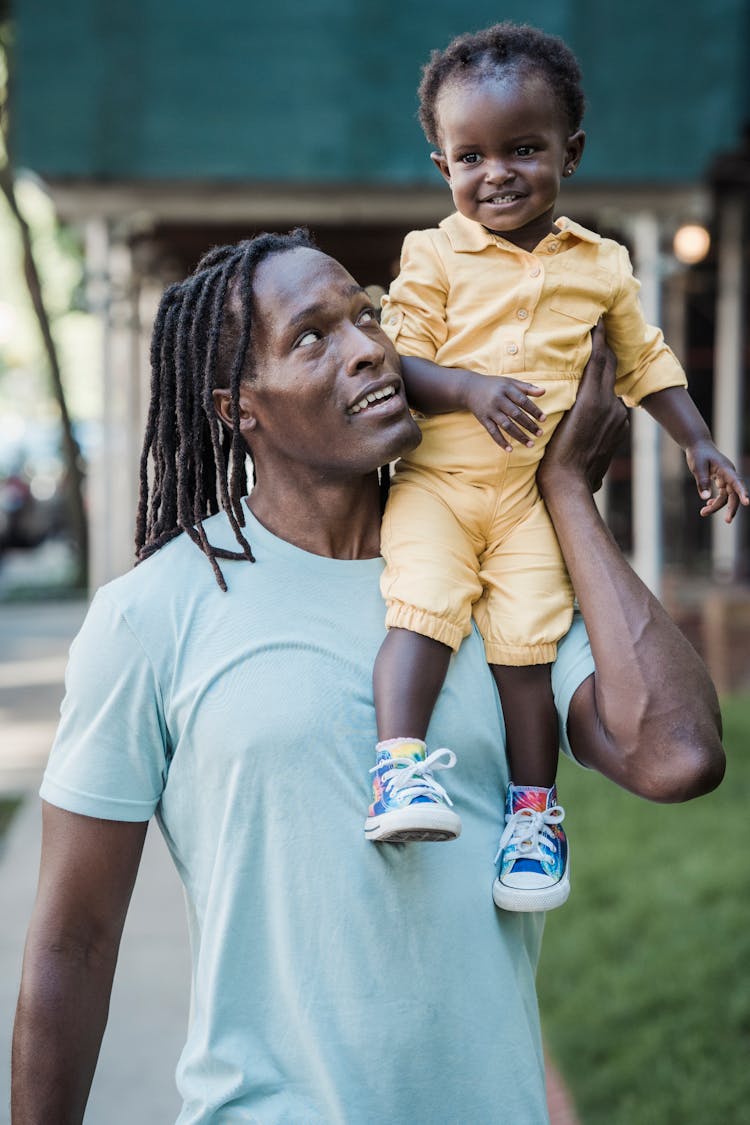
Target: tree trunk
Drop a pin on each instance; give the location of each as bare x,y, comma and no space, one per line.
71,450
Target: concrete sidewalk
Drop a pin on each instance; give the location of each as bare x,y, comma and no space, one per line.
148,1015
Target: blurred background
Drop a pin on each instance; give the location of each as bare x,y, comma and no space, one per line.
136,136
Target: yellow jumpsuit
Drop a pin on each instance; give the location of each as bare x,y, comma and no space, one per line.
465,529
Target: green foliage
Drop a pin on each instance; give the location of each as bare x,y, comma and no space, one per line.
644,983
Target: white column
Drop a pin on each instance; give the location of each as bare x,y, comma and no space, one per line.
646,436
113,475
99,478
727,414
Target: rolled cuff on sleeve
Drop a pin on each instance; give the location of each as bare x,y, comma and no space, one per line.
659,370
109,758
645,363
574,664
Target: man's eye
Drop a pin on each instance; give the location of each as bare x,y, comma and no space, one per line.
308,338
368,316
470,158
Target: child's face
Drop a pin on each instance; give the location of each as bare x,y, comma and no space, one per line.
505,148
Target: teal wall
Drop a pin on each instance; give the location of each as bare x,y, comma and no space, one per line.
287,90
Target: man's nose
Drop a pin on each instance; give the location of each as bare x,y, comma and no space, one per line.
362,350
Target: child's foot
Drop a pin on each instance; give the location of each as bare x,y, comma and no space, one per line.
534,871
407,802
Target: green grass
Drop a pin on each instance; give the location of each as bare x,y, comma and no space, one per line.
8,808
645,977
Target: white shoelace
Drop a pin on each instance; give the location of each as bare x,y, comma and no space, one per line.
529,832
408,779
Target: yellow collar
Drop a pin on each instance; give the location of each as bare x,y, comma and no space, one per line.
468,237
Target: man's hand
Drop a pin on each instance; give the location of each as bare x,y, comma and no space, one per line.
583,443
504,408
709,466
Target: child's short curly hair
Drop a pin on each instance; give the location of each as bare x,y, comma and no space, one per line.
495,48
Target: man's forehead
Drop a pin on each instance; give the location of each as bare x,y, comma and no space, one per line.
302,277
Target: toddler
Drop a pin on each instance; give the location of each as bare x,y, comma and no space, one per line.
492,314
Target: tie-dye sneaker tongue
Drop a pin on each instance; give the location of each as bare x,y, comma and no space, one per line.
408,803
397,748
534,871
534,797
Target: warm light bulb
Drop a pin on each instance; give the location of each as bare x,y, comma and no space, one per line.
691,244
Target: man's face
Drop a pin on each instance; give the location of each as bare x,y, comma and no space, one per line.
505,146
327,394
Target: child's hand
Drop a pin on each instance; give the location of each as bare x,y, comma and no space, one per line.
708,465
504,408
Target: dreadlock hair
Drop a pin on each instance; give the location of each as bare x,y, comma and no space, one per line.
505,45
202,339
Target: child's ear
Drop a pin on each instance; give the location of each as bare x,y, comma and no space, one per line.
573,152
441,164
223,407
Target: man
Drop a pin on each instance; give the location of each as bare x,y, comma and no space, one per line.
234,700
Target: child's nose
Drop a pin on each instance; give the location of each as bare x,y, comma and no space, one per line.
497,171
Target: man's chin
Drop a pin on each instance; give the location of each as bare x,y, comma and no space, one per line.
410,439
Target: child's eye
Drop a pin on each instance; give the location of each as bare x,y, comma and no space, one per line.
525,150
307,339
470,158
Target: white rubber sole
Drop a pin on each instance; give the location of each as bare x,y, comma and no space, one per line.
414,823
532,901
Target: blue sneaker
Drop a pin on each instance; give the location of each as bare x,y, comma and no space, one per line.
408,803
534,871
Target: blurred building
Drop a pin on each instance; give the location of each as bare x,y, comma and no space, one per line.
166,126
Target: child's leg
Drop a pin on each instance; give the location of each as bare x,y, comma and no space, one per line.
530,722
408,803
430,584
534,870
409,673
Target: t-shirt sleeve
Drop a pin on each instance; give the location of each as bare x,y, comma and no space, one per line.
645,363
109,758
414,309
573,665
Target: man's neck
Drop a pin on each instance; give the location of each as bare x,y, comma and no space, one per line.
333,519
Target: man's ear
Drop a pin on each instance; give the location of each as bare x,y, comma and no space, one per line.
223,407
441,164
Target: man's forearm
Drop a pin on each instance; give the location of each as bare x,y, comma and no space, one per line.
660,723
60,1021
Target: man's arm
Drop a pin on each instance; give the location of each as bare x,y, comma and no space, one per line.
87,872
648,718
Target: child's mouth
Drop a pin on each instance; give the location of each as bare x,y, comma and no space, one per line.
503,198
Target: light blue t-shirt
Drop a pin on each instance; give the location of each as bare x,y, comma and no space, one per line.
335,981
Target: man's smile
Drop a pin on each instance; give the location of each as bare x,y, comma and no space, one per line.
373,397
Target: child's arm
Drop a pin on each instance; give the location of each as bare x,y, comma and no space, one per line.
675,410
502,405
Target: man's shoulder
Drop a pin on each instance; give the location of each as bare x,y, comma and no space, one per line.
176,573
